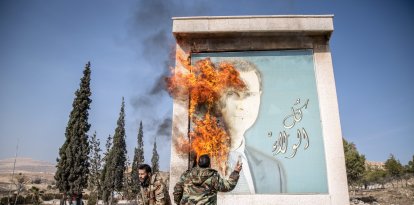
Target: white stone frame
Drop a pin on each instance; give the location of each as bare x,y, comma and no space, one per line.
255,33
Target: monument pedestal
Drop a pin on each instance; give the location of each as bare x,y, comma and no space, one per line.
196,35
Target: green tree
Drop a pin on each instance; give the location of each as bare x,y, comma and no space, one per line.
155,159
394,168
127,191
410,166
108,146
374,176
94,182
408,171
381,175
115,163
73,164
138,159
355,163
119,149
106,182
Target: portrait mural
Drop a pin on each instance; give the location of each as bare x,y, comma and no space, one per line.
274,124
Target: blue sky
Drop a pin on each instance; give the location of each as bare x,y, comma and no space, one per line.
44,46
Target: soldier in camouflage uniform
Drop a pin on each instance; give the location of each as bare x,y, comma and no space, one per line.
201,184
153,190
178,188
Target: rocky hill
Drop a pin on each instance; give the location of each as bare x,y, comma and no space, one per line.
38,173
26,165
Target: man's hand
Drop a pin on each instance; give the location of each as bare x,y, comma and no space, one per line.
238,165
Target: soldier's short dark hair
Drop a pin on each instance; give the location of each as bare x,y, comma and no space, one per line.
204,161
145,167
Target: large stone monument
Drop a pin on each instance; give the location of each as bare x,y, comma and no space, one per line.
284,125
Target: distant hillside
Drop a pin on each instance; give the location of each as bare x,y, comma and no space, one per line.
26,165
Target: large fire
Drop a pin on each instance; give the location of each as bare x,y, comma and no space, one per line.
203,84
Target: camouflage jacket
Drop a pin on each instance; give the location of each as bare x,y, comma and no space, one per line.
179,187
200,186
155,194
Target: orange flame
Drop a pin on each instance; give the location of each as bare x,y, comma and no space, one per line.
203,84
209,138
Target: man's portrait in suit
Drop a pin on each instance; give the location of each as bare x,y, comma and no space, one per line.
274,124
261,174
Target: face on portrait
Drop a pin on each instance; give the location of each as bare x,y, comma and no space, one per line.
241,108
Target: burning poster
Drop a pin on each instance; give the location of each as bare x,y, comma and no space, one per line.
262,107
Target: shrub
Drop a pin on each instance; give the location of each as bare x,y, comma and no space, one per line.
20,200
3,201
37,180
85,196
93,198
50,196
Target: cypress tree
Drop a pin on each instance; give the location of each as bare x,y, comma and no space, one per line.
73,164
106,182
155,159
94,184
113,172
119,150
127,191
138,159
108,146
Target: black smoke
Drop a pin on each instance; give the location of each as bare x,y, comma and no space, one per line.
164,129
150,29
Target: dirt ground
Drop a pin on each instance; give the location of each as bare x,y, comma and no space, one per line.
401,194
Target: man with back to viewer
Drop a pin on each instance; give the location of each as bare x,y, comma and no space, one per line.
202,183
179,186
153,190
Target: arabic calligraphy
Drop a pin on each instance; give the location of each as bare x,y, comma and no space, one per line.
296,115
295,147
280,146
281,143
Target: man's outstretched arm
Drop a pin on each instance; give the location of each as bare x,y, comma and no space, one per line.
226,185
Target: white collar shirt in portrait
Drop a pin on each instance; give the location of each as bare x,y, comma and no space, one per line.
245,184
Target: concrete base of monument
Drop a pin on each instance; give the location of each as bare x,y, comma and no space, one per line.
260,199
